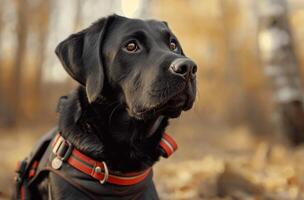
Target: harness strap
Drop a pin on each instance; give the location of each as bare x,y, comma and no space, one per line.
168,145
37,166
65,152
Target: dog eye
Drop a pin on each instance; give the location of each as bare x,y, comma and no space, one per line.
173,45
131,47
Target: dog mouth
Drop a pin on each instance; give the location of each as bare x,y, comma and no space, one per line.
172,107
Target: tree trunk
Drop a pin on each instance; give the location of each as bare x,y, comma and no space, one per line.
1,27
2,109
281,66
231,72
145,11
1,63
78,15
43,10
21,31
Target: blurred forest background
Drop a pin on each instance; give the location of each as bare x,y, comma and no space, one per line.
243,138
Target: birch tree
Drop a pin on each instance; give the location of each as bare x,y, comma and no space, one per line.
281,66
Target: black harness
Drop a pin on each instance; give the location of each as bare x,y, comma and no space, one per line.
33,168
38,165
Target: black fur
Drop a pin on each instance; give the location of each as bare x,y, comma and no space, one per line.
123,94
106,132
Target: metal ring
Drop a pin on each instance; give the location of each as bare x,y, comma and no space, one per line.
106,173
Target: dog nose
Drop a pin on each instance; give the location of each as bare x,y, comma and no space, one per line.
183,67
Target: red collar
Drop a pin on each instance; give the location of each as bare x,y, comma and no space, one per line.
65,152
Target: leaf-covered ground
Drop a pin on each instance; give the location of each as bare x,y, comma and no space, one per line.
220,164
213,163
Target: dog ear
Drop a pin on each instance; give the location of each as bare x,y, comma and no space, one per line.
81,56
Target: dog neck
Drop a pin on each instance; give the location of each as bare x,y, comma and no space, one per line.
105,132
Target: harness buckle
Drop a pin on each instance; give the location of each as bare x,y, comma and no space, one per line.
106,172
62,149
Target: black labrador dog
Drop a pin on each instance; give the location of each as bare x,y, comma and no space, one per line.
133,77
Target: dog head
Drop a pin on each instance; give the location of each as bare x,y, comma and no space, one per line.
138,63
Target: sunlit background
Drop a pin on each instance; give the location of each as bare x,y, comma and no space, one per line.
238,142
